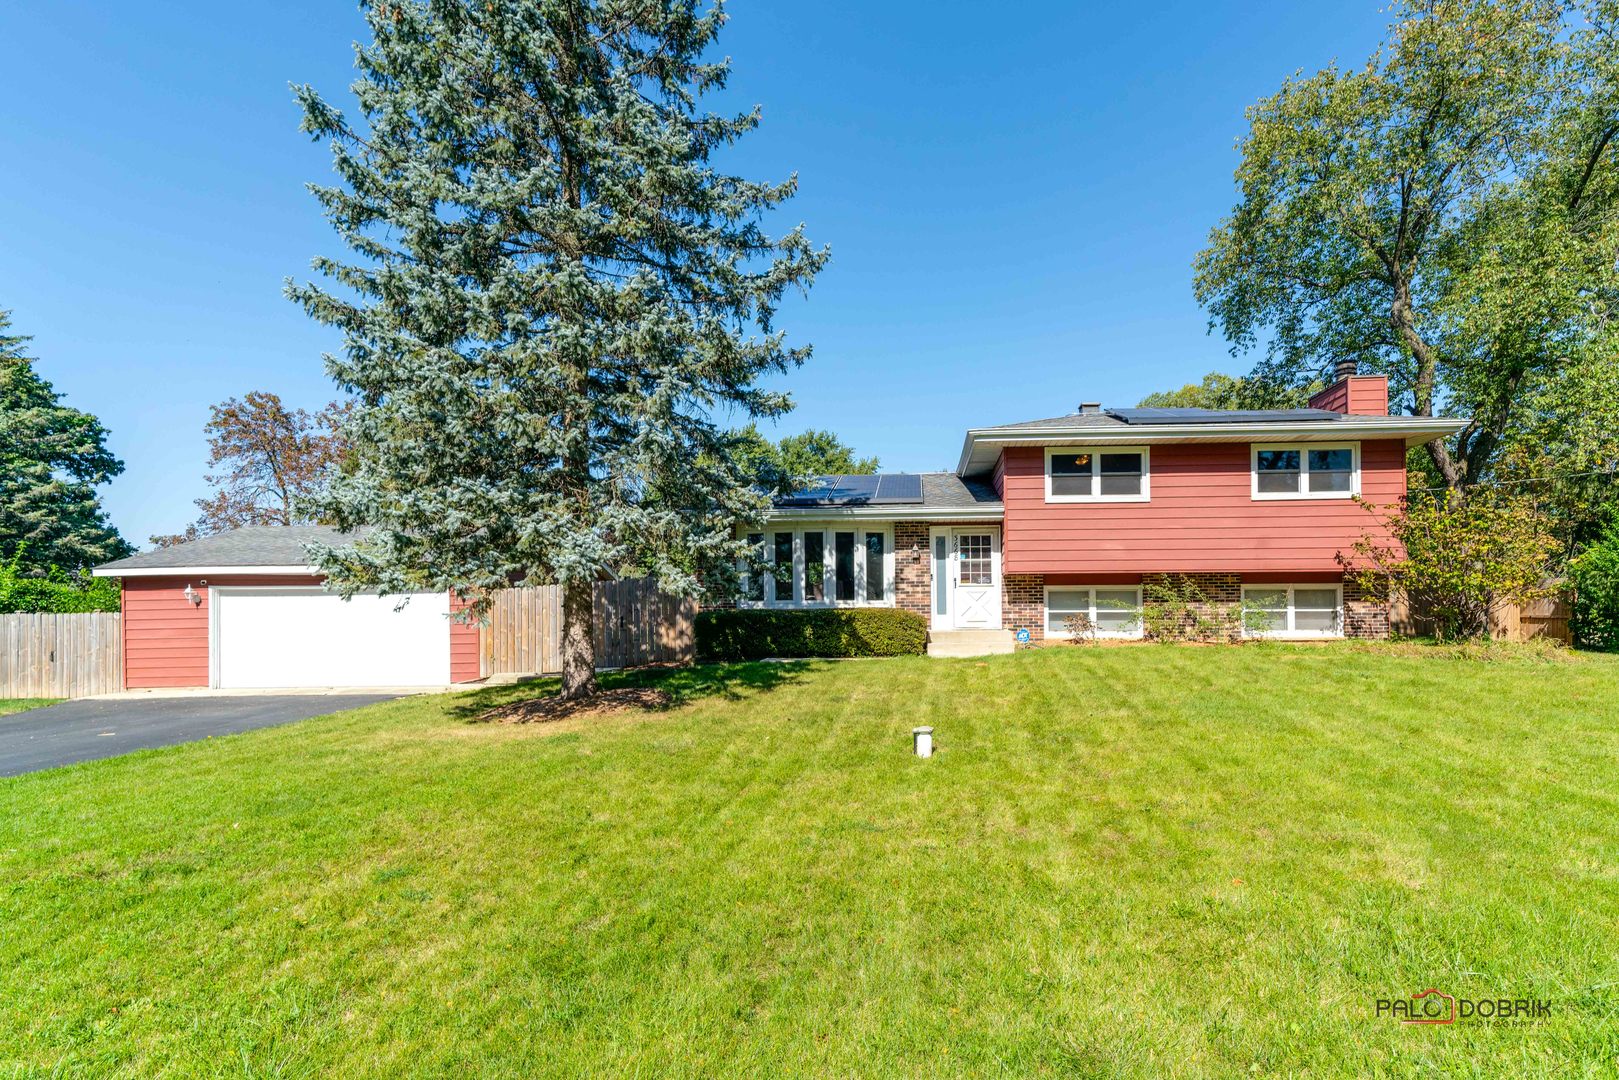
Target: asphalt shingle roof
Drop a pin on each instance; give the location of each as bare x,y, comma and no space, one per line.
946,490
1102,420
253,545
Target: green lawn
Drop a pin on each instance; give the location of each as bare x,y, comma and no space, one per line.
1138,861
23,704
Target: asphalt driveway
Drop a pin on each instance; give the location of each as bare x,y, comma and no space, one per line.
87,730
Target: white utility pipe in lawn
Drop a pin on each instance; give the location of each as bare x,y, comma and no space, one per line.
923,738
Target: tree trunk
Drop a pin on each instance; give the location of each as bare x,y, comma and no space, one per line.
578,639
1403,321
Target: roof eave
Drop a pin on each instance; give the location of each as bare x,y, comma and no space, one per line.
113,570
1413,430
887,513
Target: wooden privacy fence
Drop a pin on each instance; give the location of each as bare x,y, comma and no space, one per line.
1547,618
634,624
60,656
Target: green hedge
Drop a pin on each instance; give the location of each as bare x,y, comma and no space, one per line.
57,592
756,635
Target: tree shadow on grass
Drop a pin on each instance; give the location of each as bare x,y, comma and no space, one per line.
684,685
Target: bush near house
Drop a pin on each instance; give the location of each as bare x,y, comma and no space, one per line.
756,635
1595,576
56,592
1458,560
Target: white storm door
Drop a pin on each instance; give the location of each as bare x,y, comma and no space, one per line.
975,577
307,637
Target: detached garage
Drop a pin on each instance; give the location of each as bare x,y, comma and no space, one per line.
244,610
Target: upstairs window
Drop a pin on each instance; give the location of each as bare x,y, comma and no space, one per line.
1096,474
1306,471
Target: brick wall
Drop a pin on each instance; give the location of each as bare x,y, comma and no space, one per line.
1023,604
1364,616
1218,594
913,570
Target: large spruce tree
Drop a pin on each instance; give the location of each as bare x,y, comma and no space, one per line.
557,293
52,457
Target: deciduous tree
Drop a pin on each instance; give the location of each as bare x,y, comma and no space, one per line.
1457,560
1220,391
1448,214
269,463
784,466
556,290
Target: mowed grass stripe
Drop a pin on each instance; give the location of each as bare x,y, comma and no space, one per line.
1123,861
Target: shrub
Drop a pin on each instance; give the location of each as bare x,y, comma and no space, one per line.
756,635
1595,575
55,593
1080,629
1457,560
1177,608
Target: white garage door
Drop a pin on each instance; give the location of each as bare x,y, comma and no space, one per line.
309,637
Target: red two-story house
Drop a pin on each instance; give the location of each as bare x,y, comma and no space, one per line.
1082,513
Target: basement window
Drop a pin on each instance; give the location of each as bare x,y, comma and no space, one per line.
1293,611
1110,611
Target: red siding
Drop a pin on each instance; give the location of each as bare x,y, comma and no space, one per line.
166,638
464,661
1358,395
1202,517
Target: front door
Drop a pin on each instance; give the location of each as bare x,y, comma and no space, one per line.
970,559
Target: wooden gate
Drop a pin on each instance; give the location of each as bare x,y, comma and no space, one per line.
634,624
61,656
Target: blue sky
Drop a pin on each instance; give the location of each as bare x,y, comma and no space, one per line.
1013,204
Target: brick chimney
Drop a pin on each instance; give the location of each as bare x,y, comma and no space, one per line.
1352,394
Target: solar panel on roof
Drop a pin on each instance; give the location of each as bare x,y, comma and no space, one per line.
1219,416
899,488
886,488
858,485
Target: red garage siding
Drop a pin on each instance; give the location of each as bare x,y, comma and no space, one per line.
166,637
1202,516
464,661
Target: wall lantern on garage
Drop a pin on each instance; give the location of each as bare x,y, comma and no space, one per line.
193,596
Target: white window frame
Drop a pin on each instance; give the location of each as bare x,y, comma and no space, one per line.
827,530
1304,491
1287,633
1096,453
745,581
1090,611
